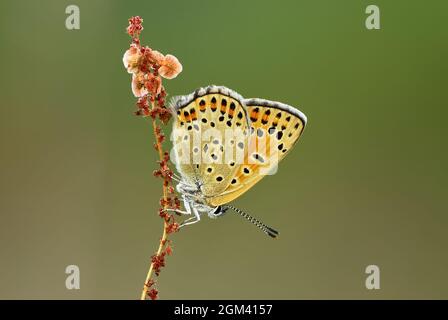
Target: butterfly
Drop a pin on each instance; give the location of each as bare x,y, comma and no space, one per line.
224,144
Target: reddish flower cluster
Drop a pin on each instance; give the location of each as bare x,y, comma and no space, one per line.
158,260
135,27
171,201
148,67
152,294
164,172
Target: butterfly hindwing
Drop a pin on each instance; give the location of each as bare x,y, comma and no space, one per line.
274,129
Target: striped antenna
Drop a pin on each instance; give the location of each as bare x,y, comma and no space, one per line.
268,230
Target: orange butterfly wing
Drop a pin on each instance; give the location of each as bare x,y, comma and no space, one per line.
274,129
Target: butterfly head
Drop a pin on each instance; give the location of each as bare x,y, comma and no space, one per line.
218,211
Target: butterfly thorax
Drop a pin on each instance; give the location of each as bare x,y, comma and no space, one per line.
194,195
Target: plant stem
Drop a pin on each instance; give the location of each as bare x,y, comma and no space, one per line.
151,268
165,224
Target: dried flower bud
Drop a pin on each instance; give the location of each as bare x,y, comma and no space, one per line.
152,294
168,250
153,84
156,57
132,58
150,283
158,262
172,227
165,116
170,67
138,85
135,27
162,213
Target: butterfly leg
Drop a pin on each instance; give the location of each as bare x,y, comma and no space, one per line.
180,212
191,220
186,206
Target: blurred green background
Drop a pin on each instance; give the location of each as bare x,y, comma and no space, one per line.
367,183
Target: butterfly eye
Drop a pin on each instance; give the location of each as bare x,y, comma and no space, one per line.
218,210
